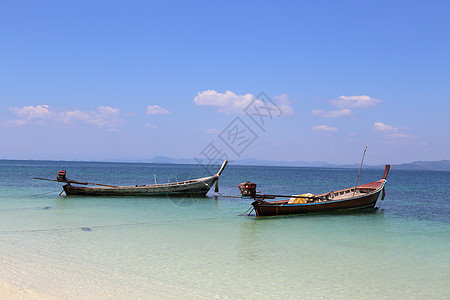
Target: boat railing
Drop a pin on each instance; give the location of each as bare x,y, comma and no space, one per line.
344,193
169,183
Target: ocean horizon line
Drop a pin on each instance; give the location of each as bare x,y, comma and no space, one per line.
441,165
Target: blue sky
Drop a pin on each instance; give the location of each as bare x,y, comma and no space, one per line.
108,80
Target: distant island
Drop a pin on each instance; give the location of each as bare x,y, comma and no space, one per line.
441,165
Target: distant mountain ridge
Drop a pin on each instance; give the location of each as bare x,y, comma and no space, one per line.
441,165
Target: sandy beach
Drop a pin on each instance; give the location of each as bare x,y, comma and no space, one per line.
10,292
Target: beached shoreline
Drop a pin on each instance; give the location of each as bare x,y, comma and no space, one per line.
10,291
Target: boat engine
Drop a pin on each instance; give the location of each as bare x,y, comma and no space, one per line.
61,176
248,189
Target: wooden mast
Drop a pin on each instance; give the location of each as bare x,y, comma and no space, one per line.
354,192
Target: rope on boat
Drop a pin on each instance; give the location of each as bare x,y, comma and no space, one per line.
250,209
227,196
45,193
91,228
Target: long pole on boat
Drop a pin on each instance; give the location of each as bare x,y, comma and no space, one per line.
354,192
77,182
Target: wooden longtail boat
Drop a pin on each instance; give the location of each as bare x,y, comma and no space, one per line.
194,187
355,198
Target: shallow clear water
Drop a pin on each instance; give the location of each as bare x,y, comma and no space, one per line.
131,247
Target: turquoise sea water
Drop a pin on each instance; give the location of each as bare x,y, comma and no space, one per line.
185,248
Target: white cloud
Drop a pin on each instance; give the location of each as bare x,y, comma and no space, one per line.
212,131
345,103
324,128
231,103
152,126
355,101
31,112
227,102
156,110
389,131
378,126
332,113
397,135
104,116
107,110
13,123
284,103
